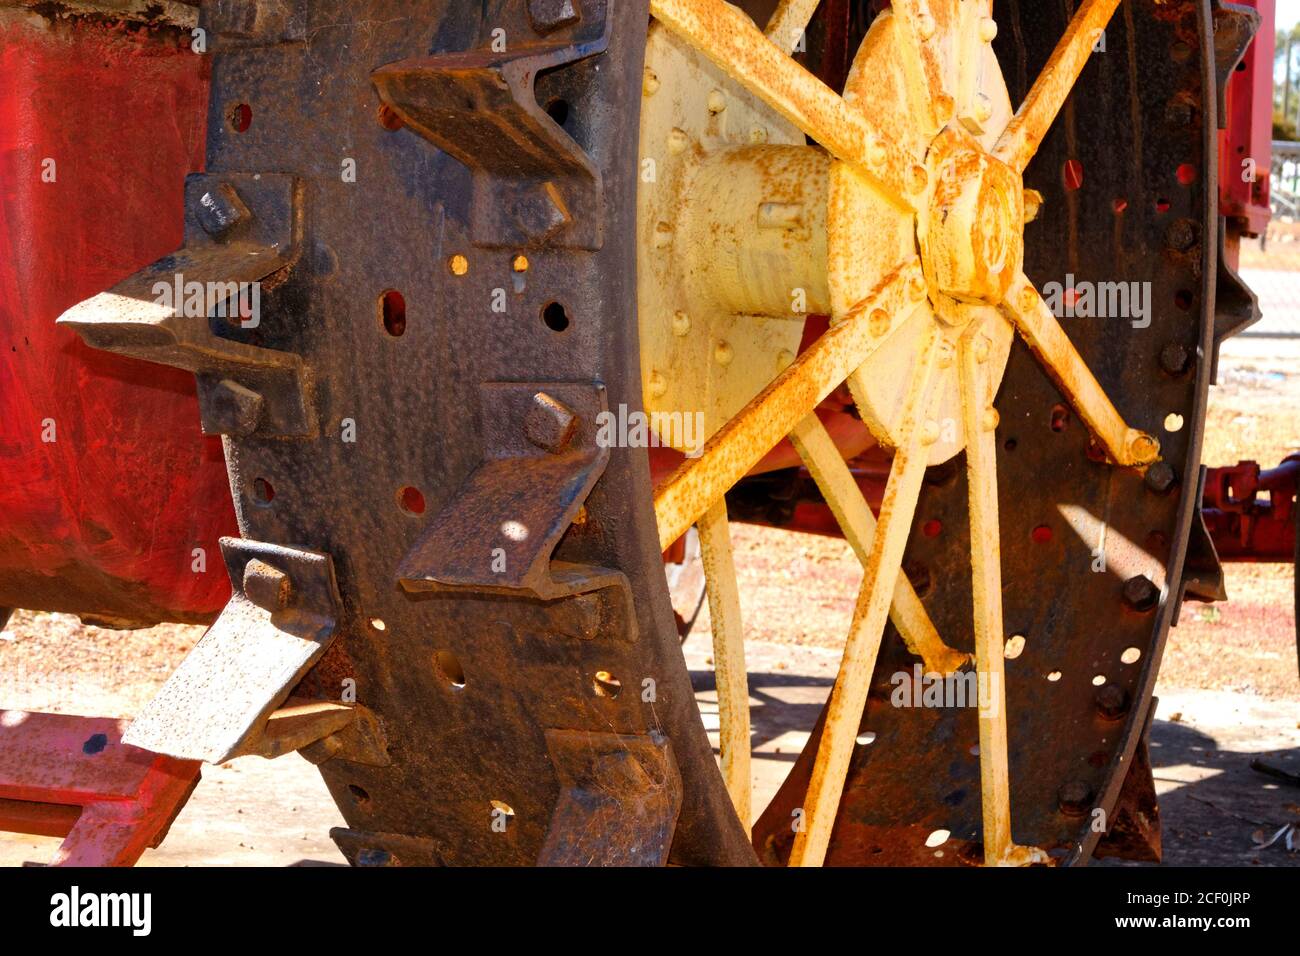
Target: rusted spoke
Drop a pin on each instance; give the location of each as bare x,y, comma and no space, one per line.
915,29
1026,130
1049,343
739,445
728,38
788,22
728,656
849,696
842,494
981,420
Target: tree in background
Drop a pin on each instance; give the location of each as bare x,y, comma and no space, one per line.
1286,93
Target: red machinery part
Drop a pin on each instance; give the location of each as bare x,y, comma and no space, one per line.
73,777
1246,526
1246,146
113,501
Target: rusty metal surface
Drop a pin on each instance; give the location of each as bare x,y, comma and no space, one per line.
478,681
280,620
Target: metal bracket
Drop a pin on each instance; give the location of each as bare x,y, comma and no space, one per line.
620,800
1235,26
498,532
533,183
242,236
278,624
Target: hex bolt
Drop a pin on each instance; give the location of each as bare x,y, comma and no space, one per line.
1179,114
1112,701
1140,594
550,425
219,210
1074,798
231,409
1181,235
1175,358
1161,478
267,587
550,15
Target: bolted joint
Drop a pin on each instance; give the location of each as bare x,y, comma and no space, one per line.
231,409
1140,594
220,210
1112,702
1074,798
550,425
1161,478
267,587
1175,358
550,15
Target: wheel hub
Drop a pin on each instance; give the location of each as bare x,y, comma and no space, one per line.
972,238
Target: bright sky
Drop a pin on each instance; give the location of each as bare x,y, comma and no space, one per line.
1288,13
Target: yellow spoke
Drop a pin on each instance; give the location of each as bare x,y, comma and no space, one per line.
1023,135
728,38
788,23
849,696
728,656
842,494
915,30
1063,364
739,445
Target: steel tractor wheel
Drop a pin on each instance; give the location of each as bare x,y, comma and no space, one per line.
488,239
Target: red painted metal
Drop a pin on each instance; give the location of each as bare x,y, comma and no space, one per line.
1249,133
1246,526
73,777
104,520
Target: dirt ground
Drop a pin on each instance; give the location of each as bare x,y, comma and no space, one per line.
1229,690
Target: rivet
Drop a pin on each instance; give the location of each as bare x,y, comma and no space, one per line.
1160,478
663,235
879,323
658,385
991,419
1074,797
681,324
876,152
947,355
678,140
717,102
917,179
649,82
917,288
1028,299
1112,702
1141,594
1175,358
983,108
723,353
988,29
982,349
758,135
925,26
1033,204
783,360
929,433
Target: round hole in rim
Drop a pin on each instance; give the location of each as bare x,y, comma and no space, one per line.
1054,676
1060,418
555,317
1131,655
558,110
607,685
932,528
502,811
520,263
241,117
458,264
1072,175
1042,534
378,624
1186,174
358,794
448,667
411,500
392,312
1173,422
263,491
1015,646
937,838
1099,680
866,738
